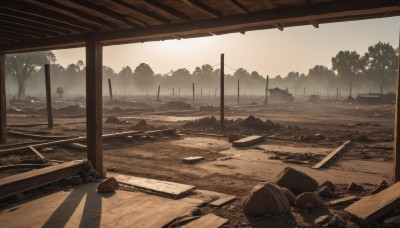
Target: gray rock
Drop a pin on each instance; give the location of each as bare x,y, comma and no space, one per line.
296,181
309,200
108,185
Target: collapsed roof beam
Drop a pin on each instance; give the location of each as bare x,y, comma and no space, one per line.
142,12
53,25
203,8
166,9
237,6
107,12
80,14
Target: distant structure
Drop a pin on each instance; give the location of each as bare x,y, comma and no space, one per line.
376,98
280,95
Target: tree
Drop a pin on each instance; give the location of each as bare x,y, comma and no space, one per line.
348,65
60,91
22,66
143,76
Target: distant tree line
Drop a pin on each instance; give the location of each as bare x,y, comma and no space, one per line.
367,72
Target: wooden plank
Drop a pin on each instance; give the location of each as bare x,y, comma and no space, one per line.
330,156
94,97
208,221
43,158
35,136
396,151
3,110
39,177
191,160
48,95
248,141
165,187
222,201
343,201
23,166
372,207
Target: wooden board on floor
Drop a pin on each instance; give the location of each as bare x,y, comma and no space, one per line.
82,206
165,187
343,201
330,156
207,221
222,201
248,141
372,207
38,177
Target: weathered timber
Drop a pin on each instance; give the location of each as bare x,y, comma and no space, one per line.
209,220
222,90
23,166
222,201
396,151
330,156
372,207
48,95
39,177
3,110
41,157
35,136
248,141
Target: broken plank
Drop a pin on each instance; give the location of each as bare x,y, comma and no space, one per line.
248,141
43,158
165,187
39,177
191,160
222,201
343,201
372,207
207,221
330,156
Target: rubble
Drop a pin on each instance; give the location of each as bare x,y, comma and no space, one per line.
208,108
108,185
265,198
382,186
176,105
325,192
309,200
289,195
112,120
322,220
296,181
141,124
353,187
330,185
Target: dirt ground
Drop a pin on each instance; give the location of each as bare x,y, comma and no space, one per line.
368,160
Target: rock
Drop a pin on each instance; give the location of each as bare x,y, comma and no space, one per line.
382,186
75,180
330,185
395,220
304,138
363,138
309,200
321,220
289,195
325,192
318,137
112,120
48,149
265,198
141,124
108,185
353,187
296,181
233,137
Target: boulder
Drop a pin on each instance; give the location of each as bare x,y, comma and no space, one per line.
309,200
296,181
330,185
353,187
112,120
108,185
265,198
325,192
141,124
289,195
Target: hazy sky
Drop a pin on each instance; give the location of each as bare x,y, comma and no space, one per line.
271,52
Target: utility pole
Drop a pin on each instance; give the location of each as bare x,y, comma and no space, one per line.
193,92
266,90
222,117
110,89
158,93
238,92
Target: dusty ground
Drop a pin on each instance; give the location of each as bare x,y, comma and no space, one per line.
235,171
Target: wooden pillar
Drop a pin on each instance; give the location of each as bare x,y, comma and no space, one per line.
266,90
94,122
193,91
110,89
396,147
238,94
3,110
48,95
222,101
158,93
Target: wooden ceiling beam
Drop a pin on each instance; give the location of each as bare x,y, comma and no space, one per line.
269,4
237,6
37,26
11,37
48,14
142,12
107,12
166,9
22,30
17,34
89,17
203,8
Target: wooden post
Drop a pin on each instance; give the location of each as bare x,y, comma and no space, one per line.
396,146
158,93
193,91
48,95
238,95
94,122
266,90
337,93
173,92
351,91
110,89
201,93
222,101
3,114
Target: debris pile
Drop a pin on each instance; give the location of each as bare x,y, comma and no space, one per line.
70,110
202,123
309,200
208,108
176,105
124,103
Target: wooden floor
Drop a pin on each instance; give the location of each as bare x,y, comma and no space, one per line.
82,206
